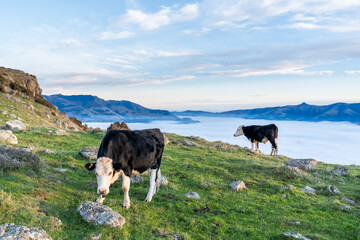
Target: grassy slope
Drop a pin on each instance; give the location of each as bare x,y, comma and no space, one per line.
259,212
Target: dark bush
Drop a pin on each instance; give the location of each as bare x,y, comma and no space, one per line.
118,126
43,101
79,124
14,159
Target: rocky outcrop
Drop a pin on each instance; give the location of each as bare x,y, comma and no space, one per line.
303,164
16,80
100,214
89,152
8,137
340,171
15,125
10,231
13,159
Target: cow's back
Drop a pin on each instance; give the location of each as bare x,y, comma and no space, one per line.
136,149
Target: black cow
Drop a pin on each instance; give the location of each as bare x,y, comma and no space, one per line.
257,134
124,152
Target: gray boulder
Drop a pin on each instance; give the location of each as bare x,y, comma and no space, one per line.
28,149
136,179
303,164
8,137
295,235
308,189
237,185
192,195
289,187
163,181
10,231
15,125
89,152
61,169
99,214
340,171
61,132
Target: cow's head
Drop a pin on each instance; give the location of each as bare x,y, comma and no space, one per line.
106,173
239,131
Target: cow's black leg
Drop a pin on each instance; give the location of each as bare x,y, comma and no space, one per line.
274,145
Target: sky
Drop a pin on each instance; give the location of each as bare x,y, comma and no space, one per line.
212,55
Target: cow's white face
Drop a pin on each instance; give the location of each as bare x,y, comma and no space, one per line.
105,175
239,131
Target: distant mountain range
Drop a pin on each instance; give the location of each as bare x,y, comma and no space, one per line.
303,112
89,108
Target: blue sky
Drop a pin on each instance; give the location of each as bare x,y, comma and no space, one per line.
176,55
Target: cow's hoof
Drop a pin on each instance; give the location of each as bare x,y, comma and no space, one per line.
148,200
126,206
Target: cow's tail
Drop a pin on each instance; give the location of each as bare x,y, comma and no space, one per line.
158,180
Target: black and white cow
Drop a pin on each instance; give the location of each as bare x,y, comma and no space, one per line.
123,153
257,134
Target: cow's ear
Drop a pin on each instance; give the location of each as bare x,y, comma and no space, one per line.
90,166
117,166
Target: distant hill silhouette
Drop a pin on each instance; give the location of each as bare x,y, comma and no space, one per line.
303,112
90,108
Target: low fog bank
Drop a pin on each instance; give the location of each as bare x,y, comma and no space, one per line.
329,142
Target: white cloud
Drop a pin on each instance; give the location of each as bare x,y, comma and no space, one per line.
166,16
109,35
282,69
305,14
185,53
353,72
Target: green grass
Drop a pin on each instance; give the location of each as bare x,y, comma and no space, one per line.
259,212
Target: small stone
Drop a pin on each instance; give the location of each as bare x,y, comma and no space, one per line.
48,151
207,185
57,222
308,189
332,189
96,236
28,149
349,201
289,187
340,171
163,181
192,195
58,181
15,125
237,185
284,196
4,112
12,115
100,215
303,164
61,132
61,169
136,179
295,235
293,222
346,208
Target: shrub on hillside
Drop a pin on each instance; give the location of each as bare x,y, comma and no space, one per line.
79,124
14,159
43,101
118,126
